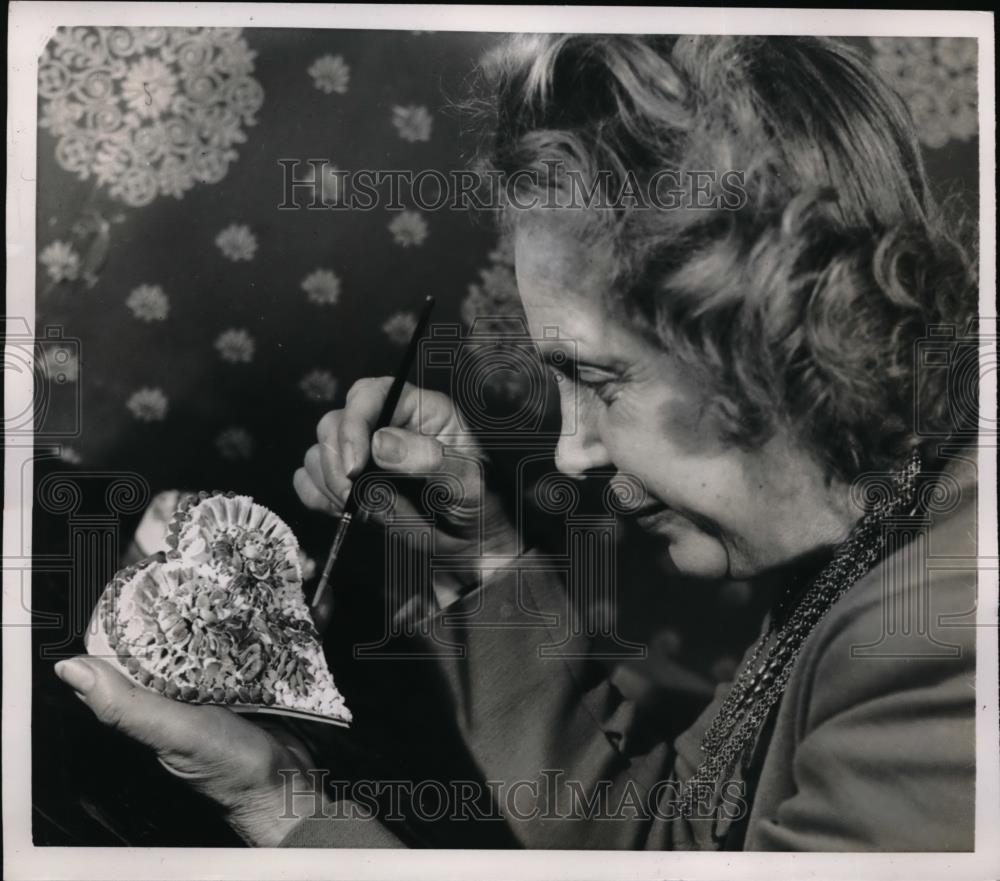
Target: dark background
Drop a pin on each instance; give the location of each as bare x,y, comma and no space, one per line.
245,426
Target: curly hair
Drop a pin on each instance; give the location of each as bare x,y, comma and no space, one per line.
802,308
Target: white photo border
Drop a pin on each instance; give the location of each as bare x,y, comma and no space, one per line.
31,24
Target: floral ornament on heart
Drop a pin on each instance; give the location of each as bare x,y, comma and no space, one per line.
148,405
937,77
322,287
412,123
330,73
145,111
319,385
220,617
235,345
61,261
408,228
237,242
148,303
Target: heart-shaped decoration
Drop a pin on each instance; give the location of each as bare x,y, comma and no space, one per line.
220,618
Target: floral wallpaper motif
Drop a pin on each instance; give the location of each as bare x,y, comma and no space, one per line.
399,327
204,308
413,123
322,287
148,405
148,111
148,303
237,242
937,77
330,74
60,261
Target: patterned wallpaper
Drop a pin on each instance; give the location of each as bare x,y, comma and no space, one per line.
213,328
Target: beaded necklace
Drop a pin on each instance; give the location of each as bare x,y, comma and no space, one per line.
766,672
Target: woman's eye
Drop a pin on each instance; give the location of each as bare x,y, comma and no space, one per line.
605,389
607,392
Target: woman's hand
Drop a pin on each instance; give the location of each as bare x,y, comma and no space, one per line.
427,441
248,771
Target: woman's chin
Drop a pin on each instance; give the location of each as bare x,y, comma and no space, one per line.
698,555
685,549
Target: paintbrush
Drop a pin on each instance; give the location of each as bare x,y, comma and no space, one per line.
320,613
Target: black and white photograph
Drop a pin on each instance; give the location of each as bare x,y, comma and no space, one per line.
499,442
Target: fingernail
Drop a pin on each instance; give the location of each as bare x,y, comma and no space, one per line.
350,458
76,674
389,447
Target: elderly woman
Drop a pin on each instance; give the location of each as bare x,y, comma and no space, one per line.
747,349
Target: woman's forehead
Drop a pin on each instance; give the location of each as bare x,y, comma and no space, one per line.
552,258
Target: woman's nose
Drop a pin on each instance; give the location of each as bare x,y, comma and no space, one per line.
580,448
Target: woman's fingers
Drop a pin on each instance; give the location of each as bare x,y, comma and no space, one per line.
311,495
406,452
222,755
164,725
365,400
314,469
345,443
333,472
325,472
328,428
419,411
396,449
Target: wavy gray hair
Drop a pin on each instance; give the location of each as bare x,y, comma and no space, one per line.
804,307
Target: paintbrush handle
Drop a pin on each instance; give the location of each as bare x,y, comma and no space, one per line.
384,419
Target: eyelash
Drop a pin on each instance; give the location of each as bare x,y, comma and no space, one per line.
607,390
600,388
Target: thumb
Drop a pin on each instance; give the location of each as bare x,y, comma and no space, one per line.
407,452
167,726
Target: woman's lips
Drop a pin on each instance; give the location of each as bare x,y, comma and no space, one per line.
652,515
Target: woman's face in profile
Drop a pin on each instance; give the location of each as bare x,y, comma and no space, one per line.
625,407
